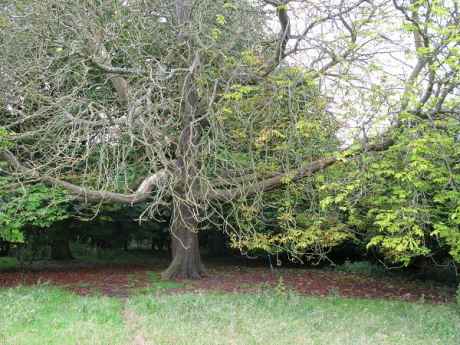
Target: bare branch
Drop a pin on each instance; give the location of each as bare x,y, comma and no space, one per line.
143,192
118,70
277,181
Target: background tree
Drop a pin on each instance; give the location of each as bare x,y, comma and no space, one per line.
34,212
403,201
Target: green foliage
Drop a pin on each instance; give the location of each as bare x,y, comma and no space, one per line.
34,206
4,142
8,263
361,267
275,123
35,247
270,128
405,201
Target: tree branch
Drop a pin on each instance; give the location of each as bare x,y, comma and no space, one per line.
143,192
118,70
274,182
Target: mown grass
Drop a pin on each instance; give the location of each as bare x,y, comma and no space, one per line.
45,315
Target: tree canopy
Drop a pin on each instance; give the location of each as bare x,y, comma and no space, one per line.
207,106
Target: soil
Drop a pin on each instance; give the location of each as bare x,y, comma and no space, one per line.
124,280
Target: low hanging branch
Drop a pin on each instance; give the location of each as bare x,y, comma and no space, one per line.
295,175
161,178
143,192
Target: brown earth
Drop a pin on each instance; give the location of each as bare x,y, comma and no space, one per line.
124,280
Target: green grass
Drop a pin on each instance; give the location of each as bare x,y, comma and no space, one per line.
362,267
159,284
45,315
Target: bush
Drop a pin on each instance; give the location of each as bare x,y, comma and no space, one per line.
363,267
444,270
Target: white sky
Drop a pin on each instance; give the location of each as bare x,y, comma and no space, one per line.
354,101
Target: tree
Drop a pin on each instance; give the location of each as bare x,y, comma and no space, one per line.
31,211
404,201
97,95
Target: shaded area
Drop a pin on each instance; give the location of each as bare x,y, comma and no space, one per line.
123,280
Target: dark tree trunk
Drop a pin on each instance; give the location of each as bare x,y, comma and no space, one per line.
186,259
60,250
4,248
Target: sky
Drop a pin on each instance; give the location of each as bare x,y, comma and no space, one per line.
364,101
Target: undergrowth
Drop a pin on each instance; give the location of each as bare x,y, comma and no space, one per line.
362,267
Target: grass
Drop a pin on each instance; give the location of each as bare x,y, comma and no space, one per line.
362,267
46,315
157,285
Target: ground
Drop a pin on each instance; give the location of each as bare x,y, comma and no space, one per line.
97,303
122,280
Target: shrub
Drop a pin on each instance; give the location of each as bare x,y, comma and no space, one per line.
363,267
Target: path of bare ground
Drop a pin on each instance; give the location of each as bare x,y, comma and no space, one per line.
124,280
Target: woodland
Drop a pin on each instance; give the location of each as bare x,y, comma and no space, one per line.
304,144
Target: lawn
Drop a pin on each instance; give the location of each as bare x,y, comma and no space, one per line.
48,315
99,302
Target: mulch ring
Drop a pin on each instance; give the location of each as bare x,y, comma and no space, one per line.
122,281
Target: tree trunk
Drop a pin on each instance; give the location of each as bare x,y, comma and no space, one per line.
186,262
4,248
60,250
186,259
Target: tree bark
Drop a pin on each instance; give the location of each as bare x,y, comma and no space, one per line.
60,250
186,262
186,259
